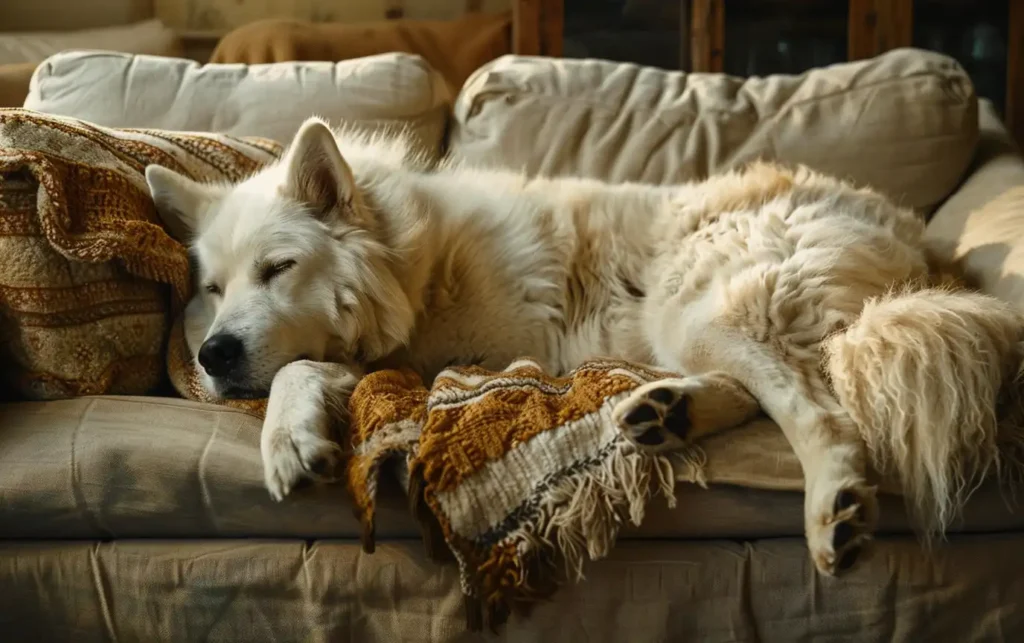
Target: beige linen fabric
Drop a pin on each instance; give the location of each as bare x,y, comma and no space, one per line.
271,101
713,591
905,123
982,225
116,467
101,468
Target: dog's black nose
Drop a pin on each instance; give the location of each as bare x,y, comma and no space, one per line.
220,354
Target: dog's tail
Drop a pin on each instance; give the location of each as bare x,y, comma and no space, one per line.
931,379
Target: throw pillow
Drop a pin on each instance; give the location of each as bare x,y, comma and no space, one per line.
89,281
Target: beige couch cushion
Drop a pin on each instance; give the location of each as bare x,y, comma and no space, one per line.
115,90
713,591
982,226
106,467
990,249
905,122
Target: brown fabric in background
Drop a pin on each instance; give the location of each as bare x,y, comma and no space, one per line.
456,48
14,82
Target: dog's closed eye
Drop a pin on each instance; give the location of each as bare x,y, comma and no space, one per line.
269,271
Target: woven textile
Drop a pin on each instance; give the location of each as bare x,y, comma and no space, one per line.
89,280
519,475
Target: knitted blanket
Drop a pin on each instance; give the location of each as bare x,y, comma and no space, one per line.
519,475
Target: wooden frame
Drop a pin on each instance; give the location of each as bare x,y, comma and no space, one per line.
707,35
876,26
537,27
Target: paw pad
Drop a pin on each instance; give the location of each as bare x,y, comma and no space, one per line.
642,415
655,417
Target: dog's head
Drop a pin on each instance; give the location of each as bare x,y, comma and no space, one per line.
288,264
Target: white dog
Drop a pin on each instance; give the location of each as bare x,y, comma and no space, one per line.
775,290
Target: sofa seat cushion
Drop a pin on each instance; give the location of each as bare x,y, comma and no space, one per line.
391,91
118,467
712,591
904,123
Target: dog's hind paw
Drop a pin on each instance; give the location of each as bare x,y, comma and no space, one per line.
655,417
837,535
667,414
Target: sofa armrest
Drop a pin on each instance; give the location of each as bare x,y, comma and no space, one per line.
980,227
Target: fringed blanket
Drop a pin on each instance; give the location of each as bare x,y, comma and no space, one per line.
520,475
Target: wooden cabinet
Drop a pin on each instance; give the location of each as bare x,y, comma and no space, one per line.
759,37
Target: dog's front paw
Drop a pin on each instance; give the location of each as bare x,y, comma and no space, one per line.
291,455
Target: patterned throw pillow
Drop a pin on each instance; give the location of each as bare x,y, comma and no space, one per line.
89,280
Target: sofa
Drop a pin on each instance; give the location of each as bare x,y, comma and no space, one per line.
145,518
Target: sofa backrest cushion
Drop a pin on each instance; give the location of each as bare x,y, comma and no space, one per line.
905,123
270,101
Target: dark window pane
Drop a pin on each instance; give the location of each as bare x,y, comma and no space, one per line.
783,37
974,33
639,31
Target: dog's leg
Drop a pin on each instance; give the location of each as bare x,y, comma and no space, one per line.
306,399
782,372
840,508
667,414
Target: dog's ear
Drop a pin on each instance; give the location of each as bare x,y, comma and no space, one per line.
316,174
179,200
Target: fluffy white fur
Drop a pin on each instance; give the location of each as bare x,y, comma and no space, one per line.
350,255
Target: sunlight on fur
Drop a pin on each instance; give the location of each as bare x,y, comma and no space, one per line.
922,373
352,252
